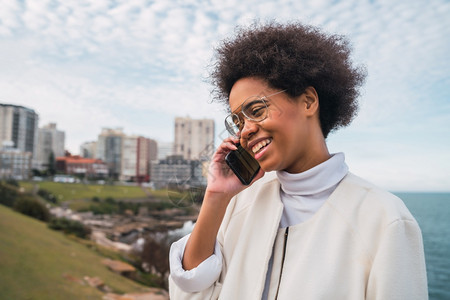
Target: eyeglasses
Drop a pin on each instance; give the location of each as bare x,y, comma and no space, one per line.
254,109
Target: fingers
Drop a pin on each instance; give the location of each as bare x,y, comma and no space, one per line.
228,144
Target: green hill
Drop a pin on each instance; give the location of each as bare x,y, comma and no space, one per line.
39,263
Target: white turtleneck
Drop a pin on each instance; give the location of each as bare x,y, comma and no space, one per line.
302,195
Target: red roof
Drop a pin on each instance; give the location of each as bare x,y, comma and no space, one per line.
76,159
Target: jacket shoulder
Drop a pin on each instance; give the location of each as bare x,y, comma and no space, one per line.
358,196
243,202
247,197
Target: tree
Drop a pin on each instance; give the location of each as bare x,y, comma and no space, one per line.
51,169
156,256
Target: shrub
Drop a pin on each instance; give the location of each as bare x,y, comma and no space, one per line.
103,209
70,227
13,182
47,196
110,200
8,195
29,206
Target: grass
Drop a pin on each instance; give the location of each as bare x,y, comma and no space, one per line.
39,263
71,191
79,196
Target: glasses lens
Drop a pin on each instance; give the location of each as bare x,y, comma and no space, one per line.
232,124
255,109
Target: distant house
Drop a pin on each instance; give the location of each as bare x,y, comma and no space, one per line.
80,166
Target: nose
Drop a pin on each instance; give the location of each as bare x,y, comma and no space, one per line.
248,129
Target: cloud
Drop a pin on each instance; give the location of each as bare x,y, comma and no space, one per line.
138,64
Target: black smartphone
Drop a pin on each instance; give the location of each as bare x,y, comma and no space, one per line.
243,164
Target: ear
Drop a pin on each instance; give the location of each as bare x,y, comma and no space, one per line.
311,100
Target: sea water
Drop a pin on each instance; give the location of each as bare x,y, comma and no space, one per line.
432,212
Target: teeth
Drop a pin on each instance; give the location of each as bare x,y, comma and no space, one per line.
261,144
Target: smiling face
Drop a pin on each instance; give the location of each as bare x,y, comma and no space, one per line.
290,137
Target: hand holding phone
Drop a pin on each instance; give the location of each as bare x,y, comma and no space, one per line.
243,164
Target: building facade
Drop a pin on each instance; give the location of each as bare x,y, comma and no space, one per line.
165,149
88,149
51,141
89,168
194,138
177,172
14,164
137,153
19,125
109,150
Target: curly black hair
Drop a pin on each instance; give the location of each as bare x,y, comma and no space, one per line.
293,57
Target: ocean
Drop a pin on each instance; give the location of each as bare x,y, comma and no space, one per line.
432,212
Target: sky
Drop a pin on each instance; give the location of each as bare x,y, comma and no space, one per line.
138,64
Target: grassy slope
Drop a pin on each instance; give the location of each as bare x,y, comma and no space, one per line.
35,259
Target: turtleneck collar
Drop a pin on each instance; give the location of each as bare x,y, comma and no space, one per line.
315,180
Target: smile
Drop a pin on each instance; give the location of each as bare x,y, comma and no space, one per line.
261,145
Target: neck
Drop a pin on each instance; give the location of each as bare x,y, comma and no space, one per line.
316,154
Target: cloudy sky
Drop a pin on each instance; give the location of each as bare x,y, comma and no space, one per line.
138,64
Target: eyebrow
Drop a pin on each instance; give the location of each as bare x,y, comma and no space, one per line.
263,97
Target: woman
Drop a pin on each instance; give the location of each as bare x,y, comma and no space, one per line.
309,230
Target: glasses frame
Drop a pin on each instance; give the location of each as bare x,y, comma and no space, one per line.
242,112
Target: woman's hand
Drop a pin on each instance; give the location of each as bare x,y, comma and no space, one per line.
221,178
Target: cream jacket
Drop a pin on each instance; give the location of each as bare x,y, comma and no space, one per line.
363,243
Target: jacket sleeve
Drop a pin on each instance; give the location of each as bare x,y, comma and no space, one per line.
198,283
398,270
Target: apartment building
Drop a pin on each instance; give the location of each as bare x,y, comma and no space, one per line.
88,149
14,163
194,138
137,152
109,149
50,141
19,125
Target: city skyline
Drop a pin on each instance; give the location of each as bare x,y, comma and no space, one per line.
139,64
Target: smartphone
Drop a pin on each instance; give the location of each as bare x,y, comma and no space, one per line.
243,164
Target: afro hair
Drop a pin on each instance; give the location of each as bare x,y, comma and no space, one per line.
293,57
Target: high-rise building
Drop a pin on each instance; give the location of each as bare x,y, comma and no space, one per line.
137,152
50,141
19,124
194,138
109,149
88,149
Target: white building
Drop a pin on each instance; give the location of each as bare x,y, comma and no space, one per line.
14,163
109,149
50,140
19,125
88,149
137,152
194,138
176,172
